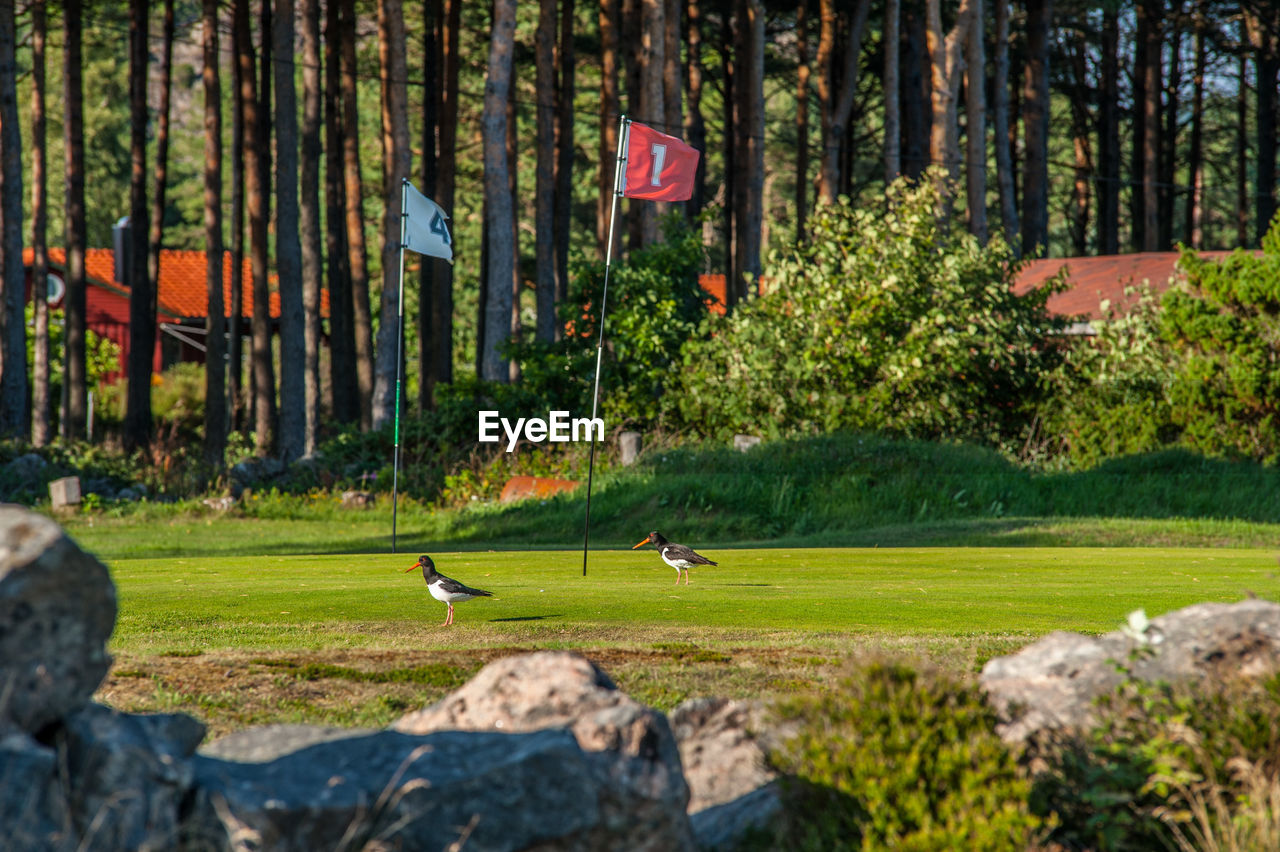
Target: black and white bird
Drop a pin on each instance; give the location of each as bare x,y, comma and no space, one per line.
445,589
677,556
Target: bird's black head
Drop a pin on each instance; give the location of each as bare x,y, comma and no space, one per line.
654,538
424,562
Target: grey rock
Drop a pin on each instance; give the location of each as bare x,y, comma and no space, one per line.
1055,682
724,747
57,610
270,742
129,775
631,750
487,792
34,812
629,446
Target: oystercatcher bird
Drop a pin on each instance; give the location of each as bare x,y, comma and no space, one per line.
677,556
445,589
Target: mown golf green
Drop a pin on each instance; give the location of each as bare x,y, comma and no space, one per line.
753,596
355,640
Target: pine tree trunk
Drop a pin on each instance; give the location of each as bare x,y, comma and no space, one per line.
442,294
651,107
142,318
975,111
1193,231
1108,129
1242,154
75,384
432,20
1151,137
499,204
357,256
342,332
750,92
563,215
309,221
396,161
695,128
236,397
1035,119
545,182
14,420
155,240
215,408
293,343
892,91
41,404
803,73
610,107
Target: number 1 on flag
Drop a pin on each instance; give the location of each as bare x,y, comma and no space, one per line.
659,167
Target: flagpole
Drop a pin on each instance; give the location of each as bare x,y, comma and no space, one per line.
395,465
619,173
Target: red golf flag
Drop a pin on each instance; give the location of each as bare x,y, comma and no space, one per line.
659,167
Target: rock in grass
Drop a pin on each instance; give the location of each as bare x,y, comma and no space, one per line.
57,610
387,790
632,753
1055,682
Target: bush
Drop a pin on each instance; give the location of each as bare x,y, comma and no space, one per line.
655,305
1165,764
884,319
895,758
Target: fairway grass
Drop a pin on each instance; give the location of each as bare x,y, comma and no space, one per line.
353,640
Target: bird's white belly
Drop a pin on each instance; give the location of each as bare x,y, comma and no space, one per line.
438,592
678,564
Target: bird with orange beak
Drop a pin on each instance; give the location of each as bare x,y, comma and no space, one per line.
677,556
445,589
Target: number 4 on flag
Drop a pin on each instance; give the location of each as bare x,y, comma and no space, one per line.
659,167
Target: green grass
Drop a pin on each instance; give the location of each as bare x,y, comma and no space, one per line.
812,597
840,490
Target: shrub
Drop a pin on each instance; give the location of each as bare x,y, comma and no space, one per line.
895,758
883,319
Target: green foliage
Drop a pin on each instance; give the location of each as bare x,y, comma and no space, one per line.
1110,395
883,319
102,355
655,305
1135,781
1226,327
895,758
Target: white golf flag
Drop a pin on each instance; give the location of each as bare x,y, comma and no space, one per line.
426,230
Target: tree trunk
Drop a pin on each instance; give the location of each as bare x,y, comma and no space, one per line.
1242,154
513,182
155,240
41,404
1193,230
609,110
433,24
892,91
975,111
946,64
545,183
1001,129
142,316
1108,129
14,421
442,293
256,180
915,104
564,142
752,126
803,73
1151,123
342,333
1169,136
651,108
396,162
499,205
837,100
1264,34
695,128
1035,120
309,221
75,384
293,342
215,407
357,257
729,61
236,397
1137,155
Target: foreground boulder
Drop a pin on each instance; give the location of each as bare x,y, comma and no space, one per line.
723,748
629,748
1055,682
57,610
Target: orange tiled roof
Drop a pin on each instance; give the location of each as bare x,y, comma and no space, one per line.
182,286
1094,279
